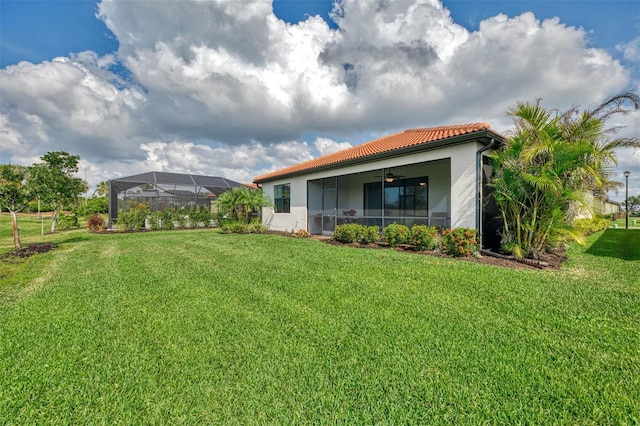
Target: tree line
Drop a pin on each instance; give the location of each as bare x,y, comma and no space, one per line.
51,182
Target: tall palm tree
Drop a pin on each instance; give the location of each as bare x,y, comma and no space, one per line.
548,164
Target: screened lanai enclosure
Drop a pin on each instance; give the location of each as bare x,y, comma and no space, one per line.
160,190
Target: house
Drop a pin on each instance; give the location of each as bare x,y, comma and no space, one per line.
418,176
596,204
603,206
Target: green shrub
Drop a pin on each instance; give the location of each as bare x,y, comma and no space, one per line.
234,227
396,234
96,223
368,234
423,237
153,221
67,221
460,242
256,228
354,232
589,226
238,227
180,218
346,233
133,219
165,218
93,205
200,215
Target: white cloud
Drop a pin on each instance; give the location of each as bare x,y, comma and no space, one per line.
225,87
631,49
64,105
326,146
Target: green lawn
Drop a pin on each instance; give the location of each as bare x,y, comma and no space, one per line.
196,327
622,222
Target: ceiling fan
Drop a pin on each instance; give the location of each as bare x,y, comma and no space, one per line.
390,177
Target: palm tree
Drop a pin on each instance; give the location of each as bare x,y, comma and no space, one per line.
241,202
254,200
548,164
102,189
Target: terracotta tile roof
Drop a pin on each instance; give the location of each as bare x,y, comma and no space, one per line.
397,141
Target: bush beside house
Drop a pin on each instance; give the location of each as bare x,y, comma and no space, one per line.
458,242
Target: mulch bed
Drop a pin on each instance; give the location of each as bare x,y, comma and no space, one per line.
546,261
27,251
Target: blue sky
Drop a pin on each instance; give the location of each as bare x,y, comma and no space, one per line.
134,78
37,30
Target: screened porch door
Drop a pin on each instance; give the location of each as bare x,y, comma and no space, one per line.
322,202
329,205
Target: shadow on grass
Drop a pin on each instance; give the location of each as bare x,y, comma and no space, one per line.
618,243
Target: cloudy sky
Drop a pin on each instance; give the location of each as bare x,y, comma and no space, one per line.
237,88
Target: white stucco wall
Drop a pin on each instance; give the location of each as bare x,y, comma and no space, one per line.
297,218
463,185
460,201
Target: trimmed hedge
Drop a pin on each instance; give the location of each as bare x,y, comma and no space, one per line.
346,233
368,234
456,242
353,232
423,237
460,242
396,234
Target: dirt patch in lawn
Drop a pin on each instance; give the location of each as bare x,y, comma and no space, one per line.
27,251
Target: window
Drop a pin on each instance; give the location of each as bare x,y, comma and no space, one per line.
406,197
282,198
402,198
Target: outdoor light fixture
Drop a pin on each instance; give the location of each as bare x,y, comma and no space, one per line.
422,183
626,199
390,177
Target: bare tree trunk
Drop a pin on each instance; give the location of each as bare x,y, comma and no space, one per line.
54,218
16,233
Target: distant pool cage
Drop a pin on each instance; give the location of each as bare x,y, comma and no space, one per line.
160,190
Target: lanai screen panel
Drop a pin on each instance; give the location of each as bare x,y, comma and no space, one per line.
161,190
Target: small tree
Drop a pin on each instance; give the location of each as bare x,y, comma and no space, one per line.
53,181
240,202
634,205
14,194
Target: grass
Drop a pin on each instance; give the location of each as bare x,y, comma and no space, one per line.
200,327
622,222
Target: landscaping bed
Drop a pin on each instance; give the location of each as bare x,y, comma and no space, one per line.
547,260
29,250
